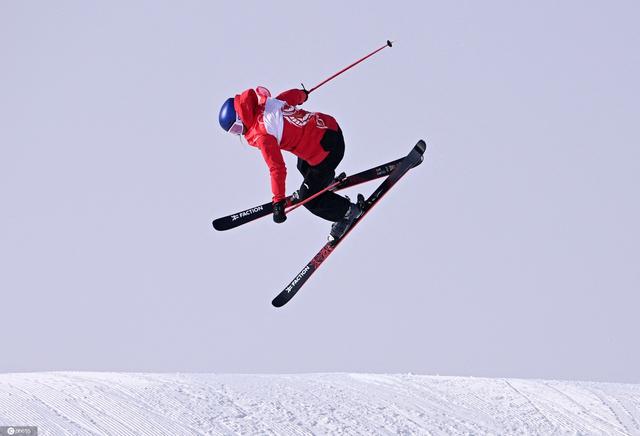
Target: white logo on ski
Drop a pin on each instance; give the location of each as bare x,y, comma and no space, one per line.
298,278
247,212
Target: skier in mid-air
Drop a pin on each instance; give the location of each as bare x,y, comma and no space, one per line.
276,124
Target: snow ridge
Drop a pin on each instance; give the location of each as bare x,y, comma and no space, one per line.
72,403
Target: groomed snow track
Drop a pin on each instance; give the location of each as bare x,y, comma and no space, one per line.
68,403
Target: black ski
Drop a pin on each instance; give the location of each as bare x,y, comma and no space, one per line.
414,158
246,216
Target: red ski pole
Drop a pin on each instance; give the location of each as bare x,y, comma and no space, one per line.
388,44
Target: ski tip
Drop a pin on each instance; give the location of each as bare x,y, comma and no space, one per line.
284,297
217,225
419,161
278,302
421,146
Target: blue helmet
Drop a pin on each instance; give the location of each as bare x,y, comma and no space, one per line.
227,114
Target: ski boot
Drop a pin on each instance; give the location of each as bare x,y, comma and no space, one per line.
339,228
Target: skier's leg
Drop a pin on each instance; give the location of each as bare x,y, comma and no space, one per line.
315,179
329,205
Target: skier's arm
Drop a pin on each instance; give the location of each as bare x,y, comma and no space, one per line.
273,157
294,97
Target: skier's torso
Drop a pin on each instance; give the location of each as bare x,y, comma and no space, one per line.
296,130
276,124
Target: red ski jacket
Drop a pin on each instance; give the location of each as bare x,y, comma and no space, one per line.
275,124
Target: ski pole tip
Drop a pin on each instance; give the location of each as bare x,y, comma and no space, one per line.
389,43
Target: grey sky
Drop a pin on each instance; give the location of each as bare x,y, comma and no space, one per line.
513,251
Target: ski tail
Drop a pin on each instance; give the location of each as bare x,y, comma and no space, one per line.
413,159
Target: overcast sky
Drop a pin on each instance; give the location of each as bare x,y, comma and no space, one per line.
511,252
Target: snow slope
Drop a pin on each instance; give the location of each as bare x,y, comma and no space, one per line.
71,403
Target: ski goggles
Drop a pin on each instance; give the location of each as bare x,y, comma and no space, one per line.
237,128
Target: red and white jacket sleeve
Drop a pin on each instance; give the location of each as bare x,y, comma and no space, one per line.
272,155
293,97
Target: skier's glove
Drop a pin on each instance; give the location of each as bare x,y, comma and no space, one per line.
278,212
306,94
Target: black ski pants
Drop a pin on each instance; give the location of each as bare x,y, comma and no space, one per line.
330,206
